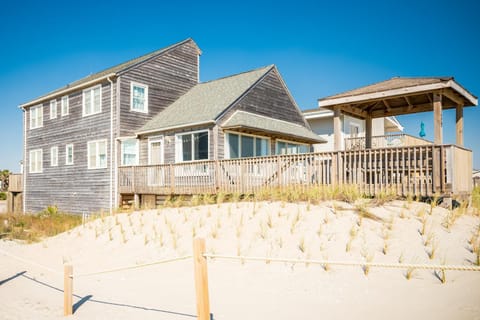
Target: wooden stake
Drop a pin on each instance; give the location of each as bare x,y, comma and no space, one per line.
201,279
67,290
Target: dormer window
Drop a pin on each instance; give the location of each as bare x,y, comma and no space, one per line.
139,97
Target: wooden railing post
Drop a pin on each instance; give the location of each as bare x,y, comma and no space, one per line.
334,172
67,290
201,279
172,178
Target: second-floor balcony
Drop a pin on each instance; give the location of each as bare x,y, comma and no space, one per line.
386,141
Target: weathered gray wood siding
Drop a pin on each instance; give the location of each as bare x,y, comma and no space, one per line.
168,77
73,188
269,98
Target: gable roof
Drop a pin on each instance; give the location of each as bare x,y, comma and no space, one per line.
257,123
399,86
205,102
109,72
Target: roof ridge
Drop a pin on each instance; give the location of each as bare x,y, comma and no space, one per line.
120,67
446,78
139,58
269,67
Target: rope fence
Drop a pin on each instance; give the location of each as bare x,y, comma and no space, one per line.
348,263
30,262
131,267
200,257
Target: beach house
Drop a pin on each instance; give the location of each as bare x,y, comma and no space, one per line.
82,141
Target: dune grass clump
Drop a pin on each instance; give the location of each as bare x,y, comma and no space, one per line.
35,227
384,196
476,199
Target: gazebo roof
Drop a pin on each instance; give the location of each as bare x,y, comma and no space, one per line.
399,96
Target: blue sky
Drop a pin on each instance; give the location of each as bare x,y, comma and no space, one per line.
321,48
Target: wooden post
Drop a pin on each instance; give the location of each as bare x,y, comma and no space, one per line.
67,290
368,132
136,201
172,178
437,117
337,129
459,125
201,279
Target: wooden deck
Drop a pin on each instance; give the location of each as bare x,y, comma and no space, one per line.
422,170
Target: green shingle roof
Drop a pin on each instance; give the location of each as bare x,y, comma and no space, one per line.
205,102
247,120
112,70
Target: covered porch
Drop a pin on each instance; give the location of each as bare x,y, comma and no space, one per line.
417,168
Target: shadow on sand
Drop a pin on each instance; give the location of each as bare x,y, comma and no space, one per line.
12,277
88,298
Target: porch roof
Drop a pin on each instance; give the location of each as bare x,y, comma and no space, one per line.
399,96
254,123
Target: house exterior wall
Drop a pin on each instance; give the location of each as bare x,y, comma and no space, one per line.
69,187
75,188
268,98
324,128
168,77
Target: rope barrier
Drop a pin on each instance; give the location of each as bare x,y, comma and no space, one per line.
349,263
33,263
131,267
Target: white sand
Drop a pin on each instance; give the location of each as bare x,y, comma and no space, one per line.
251,290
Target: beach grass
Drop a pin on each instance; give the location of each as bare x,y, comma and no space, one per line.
35,227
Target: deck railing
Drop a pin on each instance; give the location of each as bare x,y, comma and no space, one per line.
15,182
421,170
386,141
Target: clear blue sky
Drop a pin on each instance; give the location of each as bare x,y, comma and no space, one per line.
320,47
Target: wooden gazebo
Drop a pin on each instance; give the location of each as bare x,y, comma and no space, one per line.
398,96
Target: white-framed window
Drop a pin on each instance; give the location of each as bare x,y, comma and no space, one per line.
129,150
191,146
97,154
65,107
54,156
288,147
36,117
138,97
69,154
240,145
354,130
92,100
36,161
53,109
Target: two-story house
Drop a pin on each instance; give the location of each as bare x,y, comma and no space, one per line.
150,110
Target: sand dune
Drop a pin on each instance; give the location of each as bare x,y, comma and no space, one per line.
391,233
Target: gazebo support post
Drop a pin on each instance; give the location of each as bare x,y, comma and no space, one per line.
337,129
368,132
459,124
437,118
